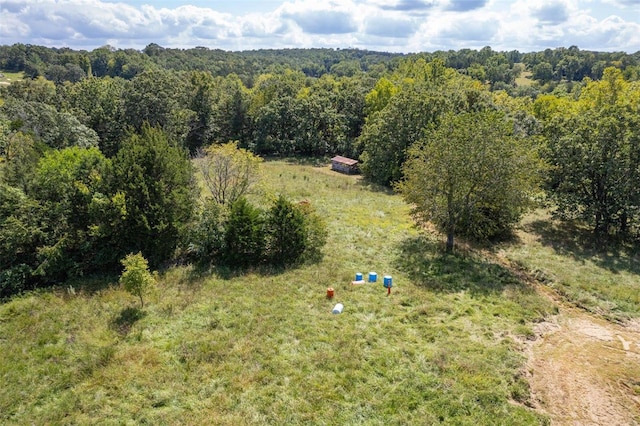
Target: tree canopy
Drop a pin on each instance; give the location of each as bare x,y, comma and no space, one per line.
470,175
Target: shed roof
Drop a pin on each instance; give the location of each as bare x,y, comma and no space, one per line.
344,160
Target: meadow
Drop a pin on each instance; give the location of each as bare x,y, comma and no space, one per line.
264,348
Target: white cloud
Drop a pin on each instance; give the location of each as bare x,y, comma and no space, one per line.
398,25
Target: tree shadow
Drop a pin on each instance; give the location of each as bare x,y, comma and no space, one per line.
126,319
424,261
300,160
374,187
572,240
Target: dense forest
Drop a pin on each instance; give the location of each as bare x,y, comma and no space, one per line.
97,148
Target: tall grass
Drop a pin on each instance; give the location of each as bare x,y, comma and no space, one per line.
603,280
265,348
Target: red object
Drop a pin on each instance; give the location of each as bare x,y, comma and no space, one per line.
329,293
388,291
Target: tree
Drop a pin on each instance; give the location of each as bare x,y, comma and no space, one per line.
287,232
136,277
156,180
593,148
429,91
65,184
244,235
20,237
543,72
101,101
469,175
229,172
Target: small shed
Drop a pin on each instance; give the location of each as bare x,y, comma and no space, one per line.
344,165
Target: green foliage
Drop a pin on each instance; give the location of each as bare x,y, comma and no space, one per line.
136,278
206,236
229,172
470,176
20,235
65,183
101,101
244,235
428,90
21,155
156,180
594,150
55,128
287,232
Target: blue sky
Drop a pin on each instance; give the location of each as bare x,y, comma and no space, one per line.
386,25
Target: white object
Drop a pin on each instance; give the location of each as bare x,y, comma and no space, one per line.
338,308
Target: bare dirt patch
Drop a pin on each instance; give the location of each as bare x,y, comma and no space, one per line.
585,371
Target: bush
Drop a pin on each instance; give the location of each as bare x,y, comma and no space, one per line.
244,235
206,238
287,233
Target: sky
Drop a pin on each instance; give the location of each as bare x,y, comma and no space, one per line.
383,25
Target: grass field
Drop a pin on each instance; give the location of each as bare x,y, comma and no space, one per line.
265,349
565,257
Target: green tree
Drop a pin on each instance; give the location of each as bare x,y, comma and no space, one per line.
543,72
428,92
65,184
136,277
155,177
100,100
287,232
244,235
593,148
469,175
20,236
229,172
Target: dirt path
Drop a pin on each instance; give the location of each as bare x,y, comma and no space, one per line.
585,371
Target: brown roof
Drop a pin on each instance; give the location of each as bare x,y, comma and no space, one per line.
344,160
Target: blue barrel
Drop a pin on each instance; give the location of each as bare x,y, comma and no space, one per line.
373,277
358,276
387,281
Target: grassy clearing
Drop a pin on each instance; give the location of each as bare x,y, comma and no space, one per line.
9,77
566,258
265,349
524,79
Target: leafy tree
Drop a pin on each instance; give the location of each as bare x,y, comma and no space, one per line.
20,236
244,235
155,178
21,159
206,236
543,72
153,97
136,277
594,150
43,121
428,91
229,172
100,100
469,175
65,183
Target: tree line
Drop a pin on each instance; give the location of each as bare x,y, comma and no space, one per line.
101,167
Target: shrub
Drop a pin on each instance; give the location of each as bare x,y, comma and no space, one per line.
244,235
206,238
287,232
